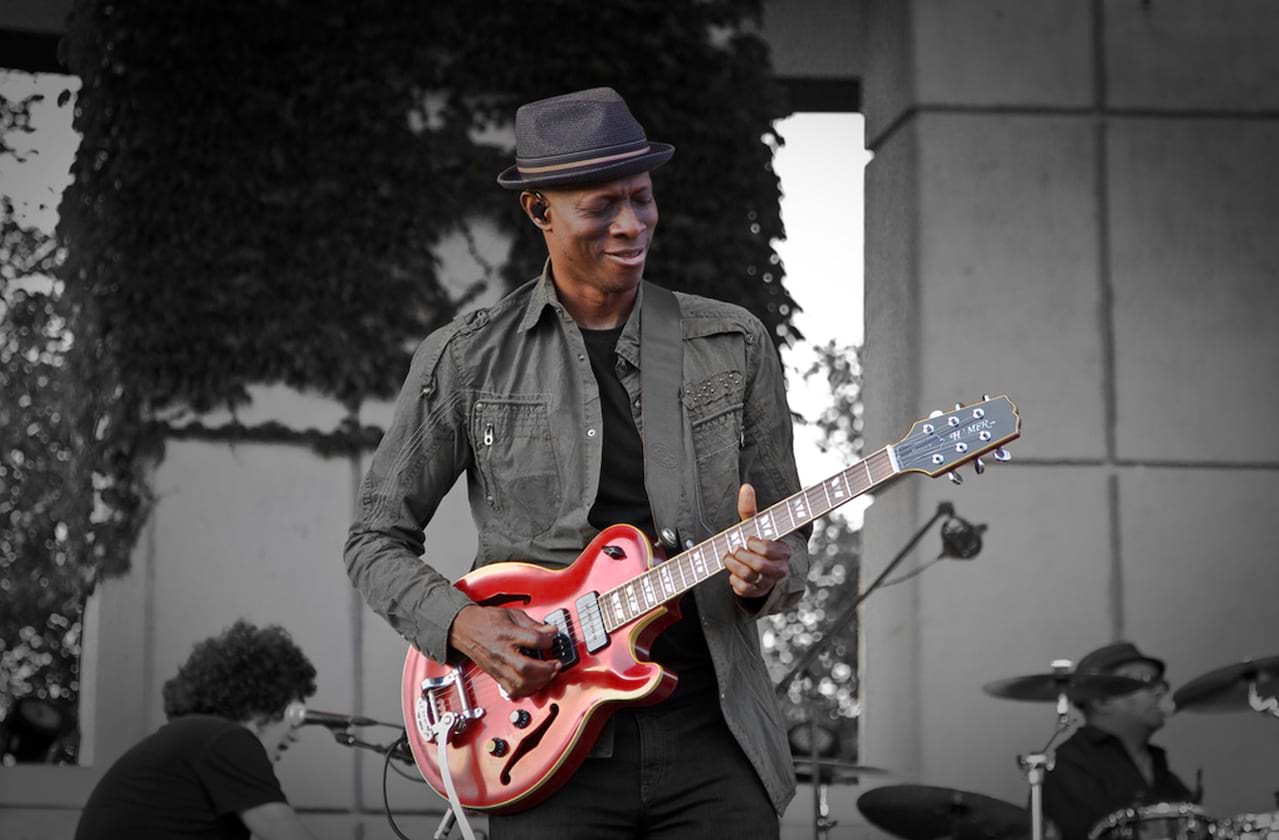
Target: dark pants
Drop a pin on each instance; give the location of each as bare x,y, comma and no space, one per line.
674,773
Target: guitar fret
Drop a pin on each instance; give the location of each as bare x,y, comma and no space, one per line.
735,540
667,581
650,599
618,611
767,527
698,565
631,600
834,487
815,507
798,509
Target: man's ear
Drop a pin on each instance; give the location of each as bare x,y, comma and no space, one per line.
536,207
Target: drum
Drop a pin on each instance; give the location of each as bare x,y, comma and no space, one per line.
1161,821
1252,826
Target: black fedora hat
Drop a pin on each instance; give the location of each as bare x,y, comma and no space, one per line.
586,137
1107,658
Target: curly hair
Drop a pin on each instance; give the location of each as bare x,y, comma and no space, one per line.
244,673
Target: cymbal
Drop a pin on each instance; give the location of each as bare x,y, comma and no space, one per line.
1226,689
922,812
1045,688
833,772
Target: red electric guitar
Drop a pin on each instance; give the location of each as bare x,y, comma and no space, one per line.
506,755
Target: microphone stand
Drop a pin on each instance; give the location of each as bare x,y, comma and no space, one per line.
820,824
393,749
397,749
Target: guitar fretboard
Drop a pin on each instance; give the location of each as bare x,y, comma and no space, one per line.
682,572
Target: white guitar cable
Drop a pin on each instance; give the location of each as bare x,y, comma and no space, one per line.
442,728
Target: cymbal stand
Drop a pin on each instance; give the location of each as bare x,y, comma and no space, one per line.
1037,764
822,823
1264,705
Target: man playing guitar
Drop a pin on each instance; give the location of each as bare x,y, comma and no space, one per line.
538,400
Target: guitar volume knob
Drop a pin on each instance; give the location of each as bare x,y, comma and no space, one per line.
521,718
497,747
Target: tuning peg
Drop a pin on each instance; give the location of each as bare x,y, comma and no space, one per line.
979,466
958,406
1002,455
933,414
985,397
955,478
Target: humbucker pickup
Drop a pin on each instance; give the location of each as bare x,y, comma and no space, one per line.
592,621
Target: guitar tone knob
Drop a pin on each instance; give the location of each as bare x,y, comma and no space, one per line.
497,747
520,718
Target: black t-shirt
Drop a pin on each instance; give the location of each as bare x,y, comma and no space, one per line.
1093,777
623,498
191,778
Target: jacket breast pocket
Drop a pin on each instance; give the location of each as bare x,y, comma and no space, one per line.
715,418
516,463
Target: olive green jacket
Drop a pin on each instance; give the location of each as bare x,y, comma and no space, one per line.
507,395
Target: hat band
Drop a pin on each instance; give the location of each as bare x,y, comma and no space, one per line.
577,164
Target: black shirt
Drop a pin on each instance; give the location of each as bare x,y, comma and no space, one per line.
191,778
1094,776
623,498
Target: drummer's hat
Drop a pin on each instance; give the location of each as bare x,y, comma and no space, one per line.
1106,659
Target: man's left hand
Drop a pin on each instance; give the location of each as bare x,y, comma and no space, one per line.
760,565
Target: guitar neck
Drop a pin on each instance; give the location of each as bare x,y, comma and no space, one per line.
682,572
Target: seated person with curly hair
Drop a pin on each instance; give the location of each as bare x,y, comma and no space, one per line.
233,708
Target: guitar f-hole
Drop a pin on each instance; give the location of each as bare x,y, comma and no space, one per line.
501,599
530,741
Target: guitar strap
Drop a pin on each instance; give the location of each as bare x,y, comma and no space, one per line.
661,377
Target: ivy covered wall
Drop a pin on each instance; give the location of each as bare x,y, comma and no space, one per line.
260,187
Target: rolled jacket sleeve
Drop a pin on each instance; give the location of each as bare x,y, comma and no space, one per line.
416,464
768,462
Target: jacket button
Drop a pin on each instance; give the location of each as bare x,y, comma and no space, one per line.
590,433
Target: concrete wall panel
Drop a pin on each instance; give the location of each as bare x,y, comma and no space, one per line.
1003,52
1194,259
1199,591
890,63
35,824
256,531
891,289
1008,273
1191,54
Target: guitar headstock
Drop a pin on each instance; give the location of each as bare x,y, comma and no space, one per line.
943,441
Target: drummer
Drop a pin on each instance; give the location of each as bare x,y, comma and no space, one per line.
1109,764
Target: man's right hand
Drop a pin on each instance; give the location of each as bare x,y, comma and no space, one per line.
491,637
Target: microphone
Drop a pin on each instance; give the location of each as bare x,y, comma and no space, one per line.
302,716
960,538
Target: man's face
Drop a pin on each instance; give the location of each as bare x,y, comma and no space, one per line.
1146,705
598,236
276,734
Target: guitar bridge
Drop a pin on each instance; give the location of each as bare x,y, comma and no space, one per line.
429,711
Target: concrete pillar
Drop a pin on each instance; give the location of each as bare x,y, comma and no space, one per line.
1073,203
